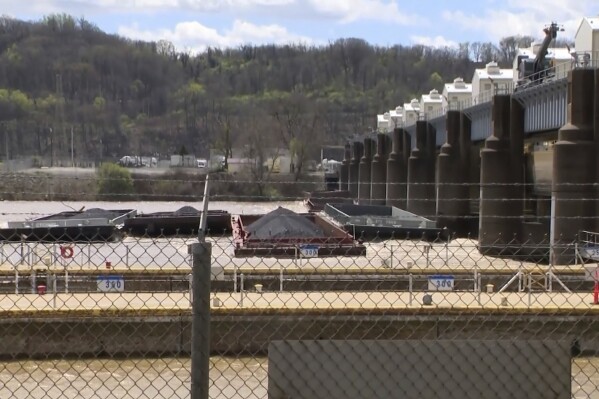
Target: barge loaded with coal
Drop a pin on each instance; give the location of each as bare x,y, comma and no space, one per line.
91,225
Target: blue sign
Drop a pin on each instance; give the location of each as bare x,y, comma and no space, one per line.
308,251
440,283
111,283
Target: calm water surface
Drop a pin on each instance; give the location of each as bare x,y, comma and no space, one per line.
170,378
135,378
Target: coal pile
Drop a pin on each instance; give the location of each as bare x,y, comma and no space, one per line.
186,211
283,223
92,213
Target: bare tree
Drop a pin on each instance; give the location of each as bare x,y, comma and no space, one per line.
475,51
228,126
299,128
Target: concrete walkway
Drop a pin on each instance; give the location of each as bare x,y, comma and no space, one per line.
283,303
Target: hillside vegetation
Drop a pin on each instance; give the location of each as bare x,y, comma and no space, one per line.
62,77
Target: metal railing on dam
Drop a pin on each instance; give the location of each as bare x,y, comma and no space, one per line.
544,100
157,315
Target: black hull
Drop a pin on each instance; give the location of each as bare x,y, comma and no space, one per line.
369,233
290,252
167,224
61,234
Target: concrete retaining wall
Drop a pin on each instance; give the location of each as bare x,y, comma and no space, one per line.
236,334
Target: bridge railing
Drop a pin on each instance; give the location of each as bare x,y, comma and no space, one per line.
580,60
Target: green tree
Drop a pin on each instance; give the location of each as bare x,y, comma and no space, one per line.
114,182
436,81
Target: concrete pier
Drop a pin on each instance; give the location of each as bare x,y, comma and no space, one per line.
452,190
365,173
573,192
397,170
344,169
471,175
535,233
421,188
378,189
499,224
354,167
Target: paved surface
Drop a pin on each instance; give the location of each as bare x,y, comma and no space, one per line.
160,255
289,303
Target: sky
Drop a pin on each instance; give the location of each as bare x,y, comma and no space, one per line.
193,25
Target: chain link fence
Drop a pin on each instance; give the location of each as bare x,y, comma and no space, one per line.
292,304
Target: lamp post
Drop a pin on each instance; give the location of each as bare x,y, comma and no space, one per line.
6,141
51,146
72,152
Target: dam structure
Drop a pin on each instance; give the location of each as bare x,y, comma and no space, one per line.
515,166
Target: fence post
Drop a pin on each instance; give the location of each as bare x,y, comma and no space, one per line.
200,324
410,287
241,288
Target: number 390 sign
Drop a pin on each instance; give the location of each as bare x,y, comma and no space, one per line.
308,251
111,283
440,283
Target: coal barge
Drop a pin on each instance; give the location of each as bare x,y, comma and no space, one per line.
368,222
316,200
283,233
184,221
92,225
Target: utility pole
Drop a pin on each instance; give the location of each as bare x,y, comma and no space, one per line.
51,146
6,142
72,151
60,109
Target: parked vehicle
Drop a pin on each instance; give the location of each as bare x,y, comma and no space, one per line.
134,161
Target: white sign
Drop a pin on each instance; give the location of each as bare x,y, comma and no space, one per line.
591,273
589,252
440,283
308,251
111,283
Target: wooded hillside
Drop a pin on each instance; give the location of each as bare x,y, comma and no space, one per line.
120,97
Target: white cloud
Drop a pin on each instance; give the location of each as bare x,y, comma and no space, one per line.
231,4
343,11
522,18
49,6
196,37
436,41
353,10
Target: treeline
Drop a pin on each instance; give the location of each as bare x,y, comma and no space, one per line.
67,86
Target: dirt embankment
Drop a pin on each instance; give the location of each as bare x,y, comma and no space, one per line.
42,186
70,185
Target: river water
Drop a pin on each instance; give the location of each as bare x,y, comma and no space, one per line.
169,378
130,379
22,210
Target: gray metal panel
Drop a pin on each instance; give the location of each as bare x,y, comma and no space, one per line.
376,215
545,113
481,121
82,219
334,213
440,125
412,132
419,369
481,126
545,106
